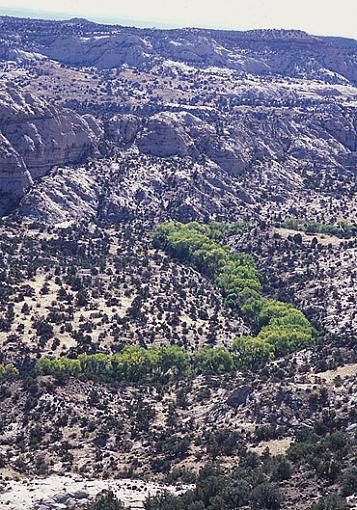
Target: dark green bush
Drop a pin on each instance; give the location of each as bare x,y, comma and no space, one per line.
330,502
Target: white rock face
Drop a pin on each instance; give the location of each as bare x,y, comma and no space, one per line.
318,138
103,51
58,491
122,129
176,161
67,194
183,134
34,137
14,176
166,134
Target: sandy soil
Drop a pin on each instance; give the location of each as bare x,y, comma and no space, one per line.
275,446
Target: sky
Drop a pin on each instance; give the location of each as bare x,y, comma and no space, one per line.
320,17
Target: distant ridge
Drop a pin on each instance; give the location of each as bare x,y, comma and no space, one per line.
269,33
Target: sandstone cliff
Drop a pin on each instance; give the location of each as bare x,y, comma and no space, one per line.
36,137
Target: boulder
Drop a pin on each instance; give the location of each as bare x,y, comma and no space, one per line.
239,396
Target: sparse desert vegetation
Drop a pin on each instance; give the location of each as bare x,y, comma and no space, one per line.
177,268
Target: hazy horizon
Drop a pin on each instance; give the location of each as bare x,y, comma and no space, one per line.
337,20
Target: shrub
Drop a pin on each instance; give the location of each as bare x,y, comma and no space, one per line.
349,482
266,496
8,372
330,502
106,500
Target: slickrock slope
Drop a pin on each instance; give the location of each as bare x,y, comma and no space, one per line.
14,176
56,491
36,137
300,139
175,163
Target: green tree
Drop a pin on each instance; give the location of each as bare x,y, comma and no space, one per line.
266,496
106,500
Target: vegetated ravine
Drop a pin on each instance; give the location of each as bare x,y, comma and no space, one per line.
177,268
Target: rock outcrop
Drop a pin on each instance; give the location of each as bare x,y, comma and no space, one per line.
36,137
301,139
191,123
176,164
103,52
14,176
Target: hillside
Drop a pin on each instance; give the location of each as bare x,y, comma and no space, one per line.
177,268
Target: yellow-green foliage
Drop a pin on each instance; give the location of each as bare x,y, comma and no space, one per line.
213,361
139,365
8,372
281,327
253,352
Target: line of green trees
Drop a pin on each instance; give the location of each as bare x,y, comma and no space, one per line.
340,229
137,364
280,328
